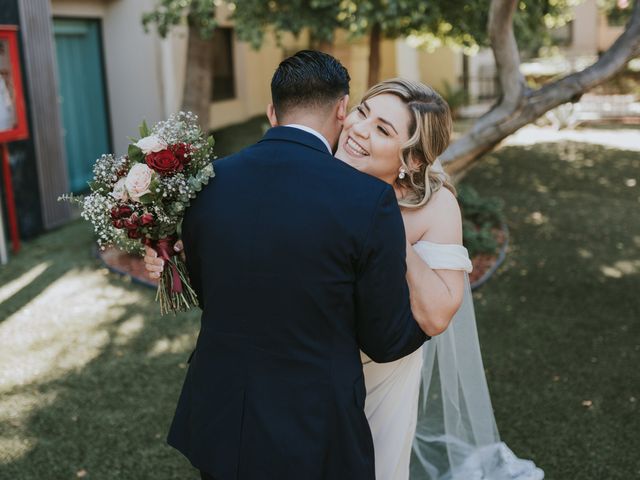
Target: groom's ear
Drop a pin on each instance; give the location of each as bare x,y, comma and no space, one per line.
271,115
343,106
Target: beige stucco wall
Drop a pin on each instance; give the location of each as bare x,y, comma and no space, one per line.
439,67
591,32
607,34
407,61
78,8
145,74
133,70
389,60
584,29
173,62
354,55
253,71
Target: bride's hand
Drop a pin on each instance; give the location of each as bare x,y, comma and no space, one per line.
153,263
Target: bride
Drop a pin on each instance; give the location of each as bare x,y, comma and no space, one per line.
396,133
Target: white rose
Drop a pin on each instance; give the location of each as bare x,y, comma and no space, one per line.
138,181
120,190
152,143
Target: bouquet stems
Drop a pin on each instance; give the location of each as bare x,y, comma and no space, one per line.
174,299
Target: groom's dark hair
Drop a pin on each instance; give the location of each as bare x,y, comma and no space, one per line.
308,79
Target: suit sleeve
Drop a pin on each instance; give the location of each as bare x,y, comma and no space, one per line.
385,326
191,251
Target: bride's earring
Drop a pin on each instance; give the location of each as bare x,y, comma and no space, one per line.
402,173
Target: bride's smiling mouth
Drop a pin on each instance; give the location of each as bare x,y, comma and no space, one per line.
354,149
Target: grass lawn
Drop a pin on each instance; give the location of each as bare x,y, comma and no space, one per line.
559,323
90,373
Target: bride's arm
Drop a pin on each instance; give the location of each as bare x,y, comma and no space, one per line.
436,295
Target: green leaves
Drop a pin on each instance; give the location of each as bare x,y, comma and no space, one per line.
71,198
144,129
135,154
146,199
483,216
455,22
195,184
478,239
169,13
96,186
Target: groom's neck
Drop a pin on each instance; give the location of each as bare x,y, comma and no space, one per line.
324,125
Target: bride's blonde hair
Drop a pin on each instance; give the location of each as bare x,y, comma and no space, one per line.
429,135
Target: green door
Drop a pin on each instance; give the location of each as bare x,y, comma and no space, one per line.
82,96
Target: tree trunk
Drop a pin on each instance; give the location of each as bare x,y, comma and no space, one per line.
375,39
199,77
519,105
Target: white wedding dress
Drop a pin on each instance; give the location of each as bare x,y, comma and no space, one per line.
449,425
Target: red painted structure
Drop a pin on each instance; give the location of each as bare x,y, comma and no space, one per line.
10,74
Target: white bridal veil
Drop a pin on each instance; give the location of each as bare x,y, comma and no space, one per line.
456,436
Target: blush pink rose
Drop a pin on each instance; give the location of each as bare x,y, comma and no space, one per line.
119,191
152,143
138,181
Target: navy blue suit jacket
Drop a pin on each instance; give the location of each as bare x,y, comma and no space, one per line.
299,262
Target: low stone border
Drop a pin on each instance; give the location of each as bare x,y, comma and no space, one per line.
147,282
502,254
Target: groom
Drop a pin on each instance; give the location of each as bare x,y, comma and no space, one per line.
299,262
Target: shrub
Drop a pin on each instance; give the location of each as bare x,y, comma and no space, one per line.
481,217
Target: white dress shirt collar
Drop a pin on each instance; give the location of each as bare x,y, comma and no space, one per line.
312,132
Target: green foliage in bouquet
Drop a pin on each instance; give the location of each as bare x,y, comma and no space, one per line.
481,217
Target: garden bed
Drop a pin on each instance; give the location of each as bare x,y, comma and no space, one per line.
127,264
486,264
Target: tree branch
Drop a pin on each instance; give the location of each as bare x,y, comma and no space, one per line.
514,110
505,51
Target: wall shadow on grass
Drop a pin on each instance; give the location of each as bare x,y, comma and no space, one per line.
109,416
35,267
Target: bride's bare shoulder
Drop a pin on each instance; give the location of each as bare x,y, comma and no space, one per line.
442,201
440,219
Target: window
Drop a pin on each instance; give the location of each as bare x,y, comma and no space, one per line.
224,81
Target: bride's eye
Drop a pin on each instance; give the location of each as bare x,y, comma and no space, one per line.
384,131
361,112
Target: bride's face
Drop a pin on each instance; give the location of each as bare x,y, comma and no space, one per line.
373,135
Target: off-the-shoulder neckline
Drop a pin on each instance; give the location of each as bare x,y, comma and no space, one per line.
439,244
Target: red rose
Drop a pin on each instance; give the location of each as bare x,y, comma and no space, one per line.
120,212
182,152
131,223
134,234
146,219
118,223
164,162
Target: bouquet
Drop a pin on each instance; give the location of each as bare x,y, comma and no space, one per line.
142,196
